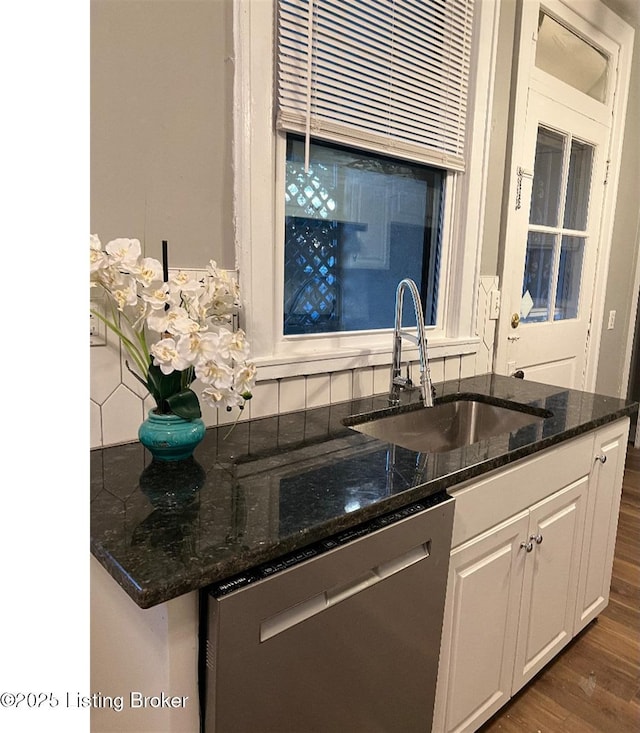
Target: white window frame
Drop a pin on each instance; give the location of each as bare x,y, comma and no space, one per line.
259,166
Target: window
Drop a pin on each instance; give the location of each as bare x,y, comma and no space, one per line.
563,54
284,341
557,232
386,78
356,223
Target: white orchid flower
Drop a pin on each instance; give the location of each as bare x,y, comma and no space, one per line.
124,252
192,315
245,378
184,281
148,271
125,294
214,373
198,346
98,260
232,345
165,355
213,397
175,320
157,298
181,323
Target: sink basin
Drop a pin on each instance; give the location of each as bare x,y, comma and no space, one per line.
445,426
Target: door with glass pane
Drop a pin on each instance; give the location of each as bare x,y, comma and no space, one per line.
549,293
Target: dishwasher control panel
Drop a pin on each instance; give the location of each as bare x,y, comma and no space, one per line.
267,569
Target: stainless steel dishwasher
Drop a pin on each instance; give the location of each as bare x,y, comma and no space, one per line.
340,637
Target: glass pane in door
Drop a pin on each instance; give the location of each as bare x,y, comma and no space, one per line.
564,54
547,178
538,274
578,186
569,272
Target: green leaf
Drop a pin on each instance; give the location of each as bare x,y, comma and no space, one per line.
162,386
185,404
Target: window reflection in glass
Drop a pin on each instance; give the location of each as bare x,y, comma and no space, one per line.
547,178
578,186
355,225
538,273
569,276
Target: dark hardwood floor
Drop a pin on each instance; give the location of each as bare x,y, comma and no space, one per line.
593,686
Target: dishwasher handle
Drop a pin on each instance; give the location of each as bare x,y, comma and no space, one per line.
294,615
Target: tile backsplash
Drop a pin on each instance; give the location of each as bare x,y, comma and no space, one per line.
118,403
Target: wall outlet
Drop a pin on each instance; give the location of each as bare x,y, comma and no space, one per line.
97,329
612,320
494,305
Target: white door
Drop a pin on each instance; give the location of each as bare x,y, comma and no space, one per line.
571,84
550,260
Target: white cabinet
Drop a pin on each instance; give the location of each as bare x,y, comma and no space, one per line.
480,626
610,449
552,563
521,586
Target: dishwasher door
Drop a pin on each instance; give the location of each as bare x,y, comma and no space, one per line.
343,637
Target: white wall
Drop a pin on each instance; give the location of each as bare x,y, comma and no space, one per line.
147,651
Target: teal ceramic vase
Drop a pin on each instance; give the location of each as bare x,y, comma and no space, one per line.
169,437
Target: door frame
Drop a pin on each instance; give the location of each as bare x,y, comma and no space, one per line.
587,17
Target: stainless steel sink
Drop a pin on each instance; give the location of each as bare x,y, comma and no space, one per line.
445,426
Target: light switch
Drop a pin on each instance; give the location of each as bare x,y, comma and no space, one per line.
612,320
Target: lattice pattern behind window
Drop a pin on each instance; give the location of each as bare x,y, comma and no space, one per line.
311,285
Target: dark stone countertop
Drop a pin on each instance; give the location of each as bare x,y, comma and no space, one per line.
277,484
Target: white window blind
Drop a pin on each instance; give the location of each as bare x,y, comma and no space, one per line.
387,75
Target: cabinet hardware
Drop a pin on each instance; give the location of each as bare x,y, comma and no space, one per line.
602,459
528,546
537,538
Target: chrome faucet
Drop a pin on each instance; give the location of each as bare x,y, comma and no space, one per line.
397,381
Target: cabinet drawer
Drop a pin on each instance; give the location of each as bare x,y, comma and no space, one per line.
483,503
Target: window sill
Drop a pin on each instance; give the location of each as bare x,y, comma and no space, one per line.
321,362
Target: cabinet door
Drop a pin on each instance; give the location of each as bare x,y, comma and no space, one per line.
605,487
550,586
480,626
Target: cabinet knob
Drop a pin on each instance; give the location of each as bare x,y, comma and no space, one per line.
528,546
602,458
537,538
